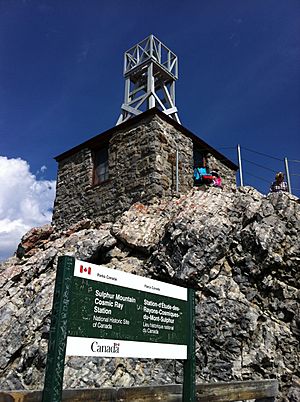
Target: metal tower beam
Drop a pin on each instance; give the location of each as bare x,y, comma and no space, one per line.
150,72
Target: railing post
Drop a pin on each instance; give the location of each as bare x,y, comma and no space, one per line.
189,368
240,165
287,172
177,171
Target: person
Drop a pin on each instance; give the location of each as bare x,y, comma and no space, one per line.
279,184
217,181
202,176
199,172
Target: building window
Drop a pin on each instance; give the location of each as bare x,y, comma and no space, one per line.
199,158
100,165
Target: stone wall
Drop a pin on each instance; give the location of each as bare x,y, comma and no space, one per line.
142,166
227,175
76,198
142,162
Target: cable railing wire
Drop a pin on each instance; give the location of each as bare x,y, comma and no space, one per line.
226,147
257,164
261,166
257,177
217,148
261,153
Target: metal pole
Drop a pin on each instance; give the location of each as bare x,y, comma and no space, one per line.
189,368
151,40
150,87
172,92
127,91
177,170
287,172
240,164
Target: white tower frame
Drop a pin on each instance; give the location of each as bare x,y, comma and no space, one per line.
150,72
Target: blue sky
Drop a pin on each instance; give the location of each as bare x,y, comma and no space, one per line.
61,82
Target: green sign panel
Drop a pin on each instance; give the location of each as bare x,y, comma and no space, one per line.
114,313
101,310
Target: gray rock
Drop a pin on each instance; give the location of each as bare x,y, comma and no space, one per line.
240,251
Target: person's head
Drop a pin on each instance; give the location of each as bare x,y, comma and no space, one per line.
279,177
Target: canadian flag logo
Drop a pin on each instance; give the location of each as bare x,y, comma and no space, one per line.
85,269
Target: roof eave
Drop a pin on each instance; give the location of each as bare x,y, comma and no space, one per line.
106,135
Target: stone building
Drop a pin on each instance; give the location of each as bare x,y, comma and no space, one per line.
150,155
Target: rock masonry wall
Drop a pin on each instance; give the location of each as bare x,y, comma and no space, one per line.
142,162
142,166
228,177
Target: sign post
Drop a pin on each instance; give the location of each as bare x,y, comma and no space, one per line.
98,311
58,331
189,369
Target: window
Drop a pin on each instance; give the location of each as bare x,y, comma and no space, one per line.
199,158
100,165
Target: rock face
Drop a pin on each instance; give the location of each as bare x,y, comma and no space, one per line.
239,250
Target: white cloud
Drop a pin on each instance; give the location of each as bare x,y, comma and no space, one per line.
25,202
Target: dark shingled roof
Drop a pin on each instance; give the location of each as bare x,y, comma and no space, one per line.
106,135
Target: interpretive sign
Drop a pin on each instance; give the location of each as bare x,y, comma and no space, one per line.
98,311
114,313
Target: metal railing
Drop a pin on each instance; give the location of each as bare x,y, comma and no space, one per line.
281,164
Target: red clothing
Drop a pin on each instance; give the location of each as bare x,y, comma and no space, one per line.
217,182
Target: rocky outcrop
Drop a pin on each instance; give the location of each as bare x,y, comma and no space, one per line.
239,250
